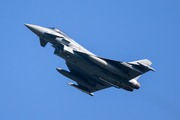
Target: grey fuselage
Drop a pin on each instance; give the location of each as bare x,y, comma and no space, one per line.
91,72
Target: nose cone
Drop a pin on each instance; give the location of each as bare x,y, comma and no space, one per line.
38,30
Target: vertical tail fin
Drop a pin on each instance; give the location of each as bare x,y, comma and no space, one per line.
145,63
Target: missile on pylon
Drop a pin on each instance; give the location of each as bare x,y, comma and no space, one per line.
76,79
81,89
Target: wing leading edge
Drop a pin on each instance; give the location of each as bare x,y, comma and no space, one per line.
128,70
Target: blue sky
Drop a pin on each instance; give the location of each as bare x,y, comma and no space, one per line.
32,89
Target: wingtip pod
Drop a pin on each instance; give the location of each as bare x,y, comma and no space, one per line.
83,85
81,89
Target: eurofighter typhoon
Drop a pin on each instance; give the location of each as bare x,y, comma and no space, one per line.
90,72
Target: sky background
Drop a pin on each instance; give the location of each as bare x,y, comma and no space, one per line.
123,30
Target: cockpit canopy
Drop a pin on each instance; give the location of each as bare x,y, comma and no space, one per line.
58,31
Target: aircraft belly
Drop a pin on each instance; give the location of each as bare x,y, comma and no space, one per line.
99,74
93,72
89,69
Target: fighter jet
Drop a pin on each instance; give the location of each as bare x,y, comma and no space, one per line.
90,72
